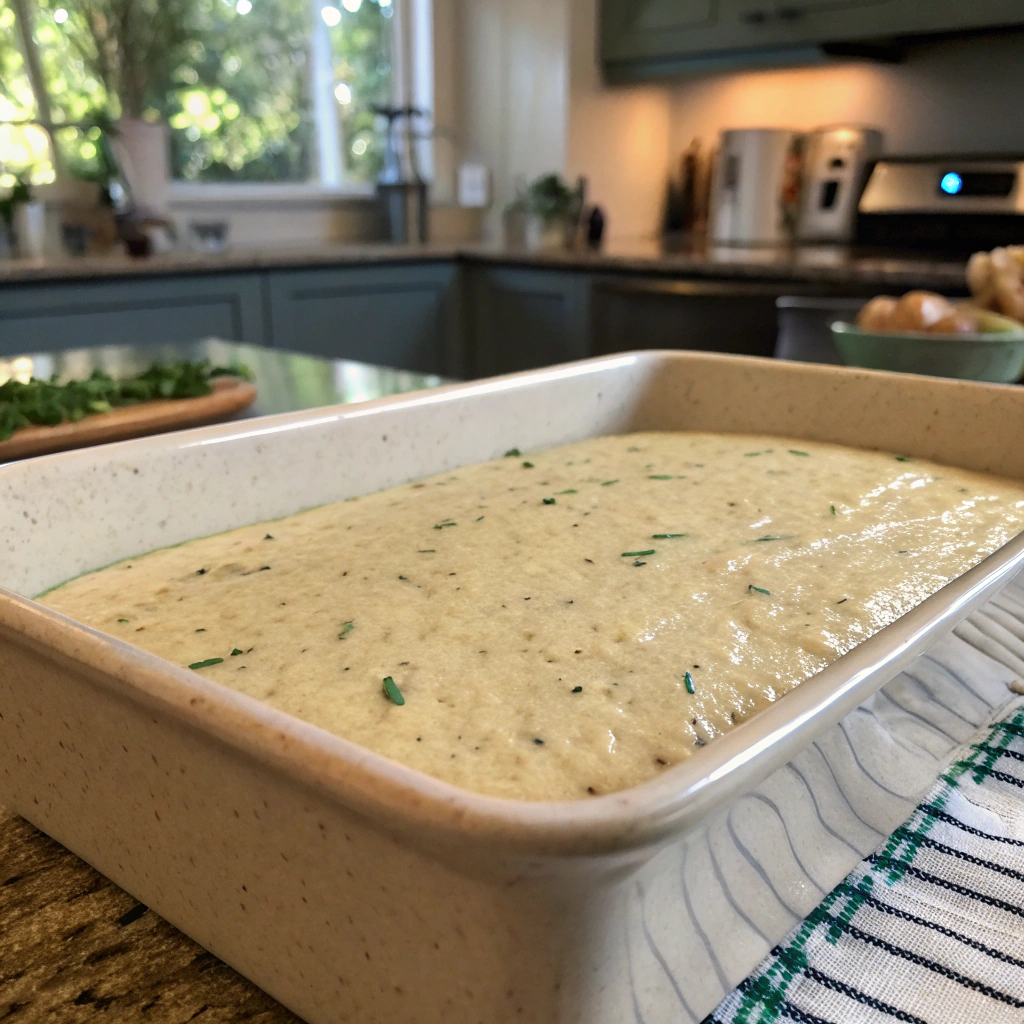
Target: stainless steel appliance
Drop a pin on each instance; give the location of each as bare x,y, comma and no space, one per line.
955,204
754,187
836,162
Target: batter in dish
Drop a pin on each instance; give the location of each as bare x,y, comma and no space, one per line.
565,623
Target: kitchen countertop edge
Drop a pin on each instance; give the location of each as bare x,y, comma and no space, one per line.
815,265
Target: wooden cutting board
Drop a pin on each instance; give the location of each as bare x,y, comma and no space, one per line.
230,395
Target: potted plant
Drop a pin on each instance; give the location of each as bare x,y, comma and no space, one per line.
24,219
131,46
552,212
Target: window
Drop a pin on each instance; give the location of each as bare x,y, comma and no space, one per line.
253,90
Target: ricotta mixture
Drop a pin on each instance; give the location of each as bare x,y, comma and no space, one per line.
571,622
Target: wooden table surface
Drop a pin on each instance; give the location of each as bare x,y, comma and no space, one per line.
75,948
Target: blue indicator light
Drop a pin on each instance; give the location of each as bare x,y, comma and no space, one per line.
952,184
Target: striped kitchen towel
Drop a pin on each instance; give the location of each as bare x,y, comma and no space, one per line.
927,930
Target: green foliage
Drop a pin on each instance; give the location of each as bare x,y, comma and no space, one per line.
362,61
231,80
551,199
47,403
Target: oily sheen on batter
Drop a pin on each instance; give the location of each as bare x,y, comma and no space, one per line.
545,617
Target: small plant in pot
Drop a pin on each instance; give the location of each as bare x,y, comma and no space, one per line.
550,210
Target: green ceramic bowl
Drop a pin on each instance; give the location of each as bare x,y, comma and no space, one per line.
995,355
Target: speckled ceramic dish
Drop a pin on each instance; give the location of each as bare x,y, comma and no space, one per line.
355,889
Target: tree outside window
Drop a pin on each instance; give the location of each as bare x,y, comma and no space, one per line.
232,78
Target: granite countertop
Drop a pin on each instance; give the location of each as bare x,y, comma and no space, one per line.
75,948
826,264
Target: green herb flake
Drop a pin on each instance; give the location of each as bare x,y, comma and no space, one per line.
833,509
570,490
771,536
237,650
207,663
549,501
392,692
661,476
667,536
637,554
608,483
577,689
759,590
527,465
347,628
688,679
795,451
904,458
750,455
426,551
513,453
122,620
444,523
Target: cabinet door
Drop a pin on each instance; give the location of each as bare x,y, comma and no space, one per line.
399,315
707,316
525,318
49,316
647,38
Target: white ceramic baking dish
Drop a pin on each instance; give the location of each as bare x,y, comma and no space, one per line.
355,889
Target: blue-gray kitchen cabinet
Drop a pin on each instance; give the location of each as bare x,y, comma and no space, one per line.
54,315
652,38
522,318
393,314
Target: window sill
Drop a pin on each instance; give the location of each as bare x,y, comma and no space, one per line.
261,194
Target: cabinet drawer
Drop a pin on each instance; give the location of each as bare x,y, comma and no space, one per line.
51,316
404,315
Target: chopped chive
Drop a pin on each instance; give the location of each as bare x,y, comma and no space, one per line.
760,590
608,483
513,452
638,563
771,536
833,509
688,679
347,628
549,501
122,620
577,689
538,741
237,650
207,663
661,476
794,451
571,490
478,518
667,536
392,692
904,458
750,455
527,465
637,554
446,522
